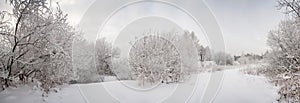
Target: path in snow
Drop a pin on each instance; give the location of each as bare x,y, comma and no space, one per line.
242,88
237,88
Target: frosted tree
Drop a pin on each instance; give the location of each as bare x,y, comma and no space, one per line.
84,61
222,58
291,7
58,69
93,60
207,54
38,44
196,44
154,59
284,57
5,29
189,53
104,54
203,53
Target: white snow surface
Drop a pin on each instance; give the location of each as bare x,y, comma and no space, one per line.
242,88
236,88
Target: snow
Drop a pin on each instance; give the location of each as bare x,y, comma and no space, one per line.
236,88
243,88
26,94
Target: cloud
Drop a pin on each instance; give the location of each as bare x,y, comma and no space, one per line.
242,21
247,20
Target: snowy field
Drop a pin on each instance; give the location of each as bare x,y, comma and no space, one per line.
236,88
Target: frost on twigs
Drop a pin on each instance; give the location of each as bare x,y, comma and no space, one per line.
154,59
35,43
284,58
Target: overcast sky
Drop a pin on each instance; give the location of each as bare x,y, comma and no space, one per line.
244,23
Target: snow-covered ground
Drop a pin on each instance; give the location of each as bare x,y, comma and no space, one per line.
242,88
236,88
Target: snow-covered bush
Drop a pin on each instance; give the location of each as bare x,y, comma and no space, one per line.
88,76
208,64
284,58
155,59
56,68
255,69
222,58
189,48
248,58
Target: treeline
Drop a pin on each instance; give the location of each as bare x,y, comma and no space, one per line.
155,57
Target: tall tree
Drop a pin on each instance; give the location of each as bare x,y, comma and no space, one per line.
37,41
104,54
